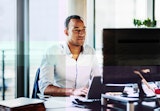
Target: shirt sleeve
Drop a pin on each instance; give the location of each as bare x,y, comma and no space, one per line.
96,69
46,71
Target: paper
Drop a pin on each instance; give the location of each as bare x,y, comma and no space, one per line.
58,102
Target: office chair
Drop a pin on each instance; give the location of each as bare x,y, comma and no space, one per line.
35,86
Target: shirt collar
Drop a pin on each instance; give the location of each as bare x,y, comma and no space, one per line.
68,52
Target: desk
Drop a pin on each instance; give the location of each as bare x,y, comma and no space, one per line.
132,104
47,104
60,104
65,104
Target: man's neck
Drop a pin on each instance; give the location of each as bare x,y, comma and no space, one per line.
75,50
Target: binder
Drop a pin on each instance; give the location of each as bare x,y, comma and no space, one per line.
22,104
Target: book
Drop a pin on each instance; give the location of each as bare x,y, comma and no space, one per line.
22,104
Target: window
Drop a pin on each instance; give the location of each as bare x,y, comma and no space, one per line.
117,14
157,15
46,28
7,47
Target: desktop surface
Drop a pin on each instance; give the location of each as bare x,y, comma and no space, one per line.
131,104
68,103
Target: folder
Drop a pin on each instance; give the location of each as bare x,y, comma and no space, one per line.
22,104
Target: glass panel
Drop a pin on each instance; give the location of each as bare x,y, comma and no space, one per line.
7,47
117,13
157,14
46,28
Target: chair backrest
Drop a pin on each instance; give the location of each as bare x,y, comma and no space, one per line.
35,86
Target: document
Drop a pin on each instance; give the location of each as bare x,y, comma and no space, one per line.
58,102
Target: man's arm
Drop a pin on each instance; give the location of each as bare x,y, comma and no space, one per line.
57,91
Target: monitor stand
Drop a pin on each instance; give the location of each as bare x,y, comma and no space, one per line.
140,95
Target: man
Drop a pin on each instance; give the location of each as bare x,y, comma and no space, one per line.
67,68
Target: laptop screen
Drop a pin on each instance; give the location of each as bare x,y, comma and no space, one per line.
95,88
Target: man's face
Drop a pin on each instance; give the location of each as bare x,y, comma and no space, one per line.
76,32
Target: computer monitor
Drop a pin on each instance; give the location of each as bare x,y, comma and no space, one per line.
129,49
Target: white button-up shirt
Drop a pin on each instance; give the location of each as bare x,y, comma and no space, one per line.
60,69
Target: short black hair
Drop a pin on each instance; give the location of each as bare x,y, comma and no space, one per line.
69,18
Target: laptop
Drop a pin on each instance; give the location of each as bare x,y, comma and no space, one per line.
94,92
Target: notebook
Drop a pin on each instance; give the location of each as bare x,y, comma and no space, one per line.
22,104
94,92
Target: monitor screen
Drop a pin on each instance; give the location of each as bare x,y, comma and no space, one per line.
129,49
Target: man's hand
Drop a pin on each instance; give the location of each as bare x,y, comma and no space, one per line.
80,92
